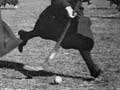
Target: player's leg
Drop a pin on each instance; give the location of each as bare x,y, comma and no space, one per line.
42,28
84,45
93,68
25,36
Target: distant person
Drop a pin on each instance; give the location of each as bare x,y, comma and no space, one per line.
116,2
10,2
51,23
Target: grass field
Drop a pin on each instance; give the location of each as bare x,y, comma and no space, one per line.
68,63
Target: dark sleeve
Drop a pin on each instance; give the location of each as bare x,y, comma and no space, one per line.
63,3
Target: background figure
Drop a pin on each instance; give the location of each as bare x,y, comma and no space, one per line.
51,23
116,2
10,2
8,40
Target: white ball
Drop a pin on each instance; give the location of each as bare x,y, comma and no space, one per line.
58,79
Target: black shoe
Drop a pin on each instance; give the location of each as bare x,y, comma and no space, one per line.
21,34
96,73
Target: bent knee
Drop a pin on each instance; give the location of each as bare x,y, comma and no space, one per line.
79,44
89,45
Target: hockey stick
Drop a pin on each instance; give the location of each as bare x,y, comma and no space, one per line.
57,46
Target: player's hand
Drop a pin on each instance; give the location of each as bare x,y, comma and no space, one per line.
71,12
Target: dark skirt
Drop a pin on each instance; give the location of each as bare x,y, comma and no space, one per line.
52,22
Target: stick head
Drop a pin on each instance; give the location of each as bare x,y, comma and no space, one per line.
52,55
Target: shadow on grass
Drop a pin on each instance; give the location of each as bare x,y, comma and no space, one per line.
30,74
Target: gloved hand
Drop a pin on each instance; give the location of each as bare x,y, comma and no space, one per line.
71,12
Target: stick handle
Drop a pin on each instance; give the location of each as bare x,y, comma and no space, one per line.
67,27
63,35
57,46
